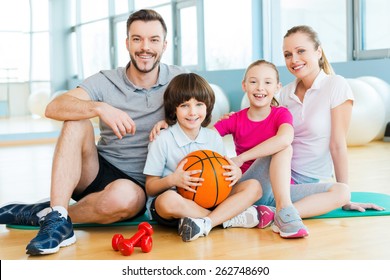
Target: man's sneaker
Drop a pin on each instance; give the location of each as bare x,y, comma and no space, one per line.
289,224
22,214
192,229
55,232
247,219
266,215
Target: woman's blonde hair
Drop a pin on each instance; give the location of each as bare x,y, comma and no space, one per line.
323,62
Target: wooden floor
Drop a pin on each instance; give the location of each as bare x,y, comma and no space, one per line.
25,176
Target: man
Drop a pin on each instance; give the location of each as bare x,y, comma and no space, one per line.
106,179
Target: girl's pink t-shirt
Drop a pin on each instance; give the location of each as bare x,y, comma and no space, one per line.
247,133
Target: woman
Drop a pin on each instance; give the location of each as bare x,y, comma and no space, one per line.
321,105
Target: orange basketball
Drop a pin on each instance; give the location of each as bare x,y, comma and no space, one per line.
215,188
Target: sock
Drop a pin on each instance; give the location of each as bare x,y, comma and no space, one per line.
61,210
44,212
207,226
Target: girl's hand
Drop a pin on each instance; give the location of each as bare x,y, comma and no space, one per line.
361,207
234,172
183,179
156,130
226,116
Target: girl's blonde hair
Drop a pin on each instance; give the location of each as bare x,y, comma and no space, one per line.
259,62
323,62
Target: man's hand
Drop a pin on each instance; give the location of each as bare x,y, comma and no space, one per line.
119,121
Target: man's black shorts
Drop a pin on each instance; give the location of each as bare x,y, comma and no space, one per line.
107,173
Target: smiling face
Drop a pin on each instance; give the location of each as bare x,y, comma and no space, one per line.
145,44
301,56
190,116
260,84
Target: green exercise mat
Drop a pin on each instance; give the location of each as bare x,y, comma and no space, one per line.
376,198
133,222
365,197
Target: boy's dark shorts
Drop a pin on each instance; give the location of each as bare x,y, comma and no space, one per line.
107,173
160,220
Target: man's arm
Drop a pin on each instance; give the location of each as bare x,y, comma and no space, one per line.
72,105
77,105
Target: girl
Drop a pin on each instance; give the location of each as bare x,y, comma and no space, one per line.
188,103
264,131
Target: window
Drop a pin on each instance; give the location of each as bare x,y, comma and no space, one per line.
166,13
95,47
228,34
122,55
141,4
327,17
93,9
371,32
14,24
188,36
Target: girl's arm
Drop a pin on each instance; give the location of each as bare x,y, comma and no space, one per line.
181,179
280,141
340,118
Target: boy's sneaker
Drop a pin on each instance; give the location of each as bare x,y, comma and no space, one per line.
266,215
180,227
55,232
192,229
247,219
289,224
22,214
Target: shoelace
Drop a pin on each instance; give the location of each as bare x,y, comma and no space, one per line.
239,220
47,225
25,217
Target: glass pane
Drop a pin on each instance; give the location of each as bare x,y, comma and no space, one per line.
95,52
121,6
40,15
14,15
377,22
139,4
73,14
40,67
13,56
93,9
326,17
74,70
120,44
188,36
166,13
228,44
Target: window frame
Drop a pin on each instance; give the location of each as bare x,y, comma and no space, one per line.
358,36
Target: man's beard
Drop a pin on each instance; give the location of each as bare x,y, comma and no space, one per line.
155,64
